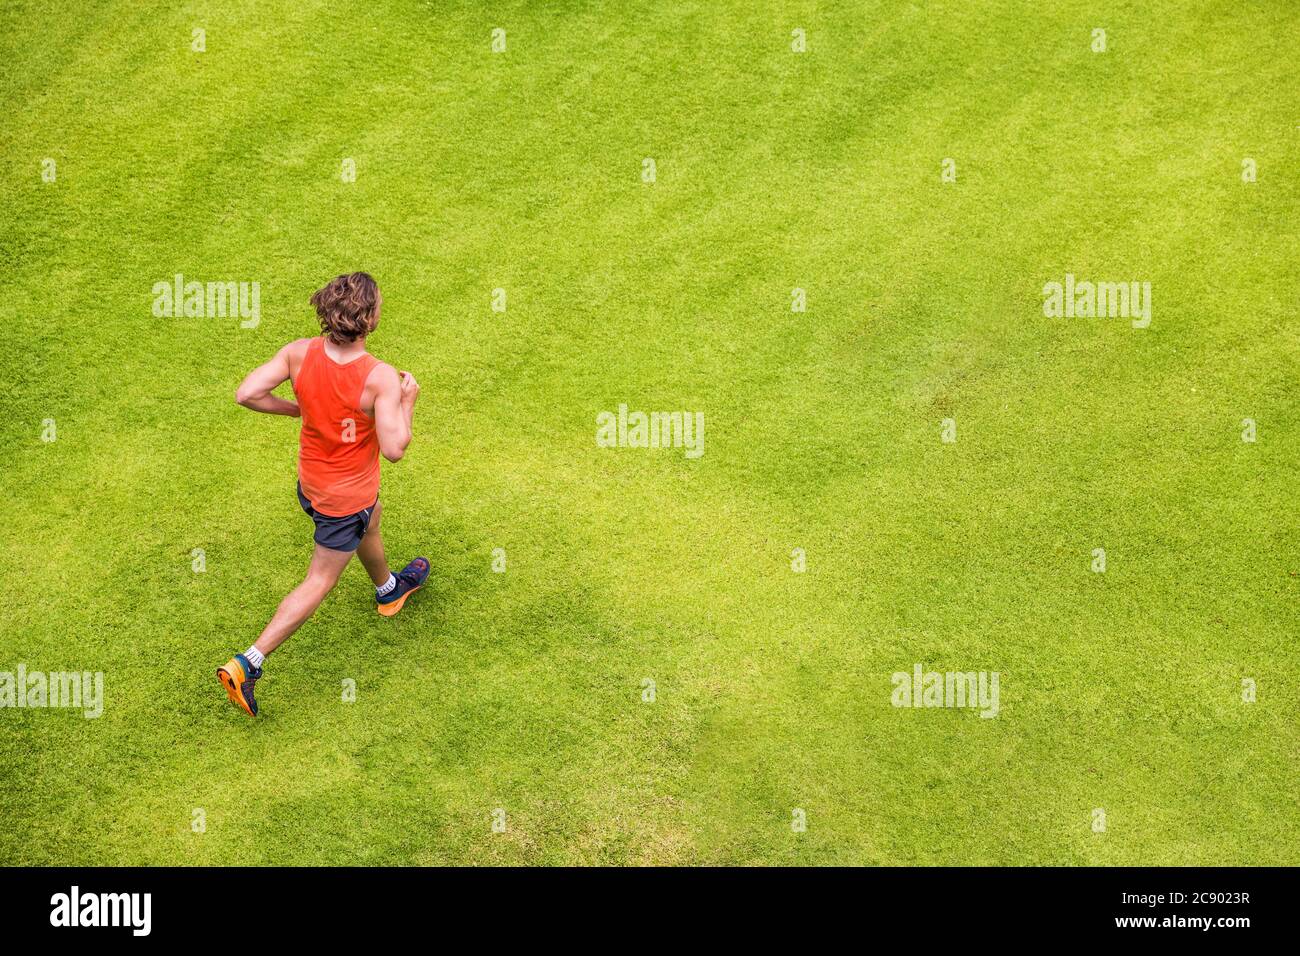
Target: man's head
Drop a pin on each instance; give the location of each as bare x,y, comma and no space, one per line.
348,307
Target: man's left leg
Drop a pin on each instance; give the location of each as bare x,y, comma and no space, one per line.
301,603
239,675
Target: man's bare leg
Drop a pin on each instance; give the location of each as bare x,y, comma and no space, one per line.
242,671
391,590
371,551
301,603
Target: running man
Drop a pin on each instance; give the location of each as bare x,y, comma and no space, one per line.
354,408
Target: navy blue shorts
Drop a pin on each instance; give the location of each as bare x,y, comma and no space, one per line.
337,534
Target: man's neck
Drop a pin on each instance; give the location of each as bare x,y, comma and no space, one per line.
344,353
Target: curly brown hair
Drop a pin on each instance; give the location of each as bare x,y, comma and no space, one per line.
348,307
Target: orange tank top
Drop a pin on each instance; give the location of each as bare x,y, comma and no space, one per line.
338,449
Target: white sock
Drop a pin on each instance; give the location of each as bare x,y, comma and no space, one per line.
255,657
386,586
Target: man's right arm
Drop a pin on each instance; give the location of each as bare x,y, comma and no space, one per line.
393,411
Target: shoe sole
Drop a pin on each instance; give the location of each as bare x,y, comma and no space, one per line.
232,691
388,610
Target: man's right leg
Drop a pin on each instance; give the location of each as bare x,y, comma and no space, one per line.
391,590
371,550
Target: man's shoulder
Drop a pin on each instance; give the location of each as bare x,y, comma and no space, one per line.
297,347
383,375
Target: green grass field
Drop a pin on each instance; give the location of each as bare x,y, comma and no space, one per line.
775,170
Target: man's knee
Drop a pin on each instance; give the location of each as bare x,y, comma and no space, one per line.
320,583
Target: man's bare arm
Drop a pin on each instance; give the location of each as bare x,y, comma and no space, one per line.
394,408
255,390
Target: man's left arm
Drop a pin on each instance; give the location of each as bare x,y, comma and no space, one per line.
255,390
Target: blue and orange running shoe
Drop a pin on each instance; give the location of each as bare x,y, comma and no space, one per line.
409,580
238,676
